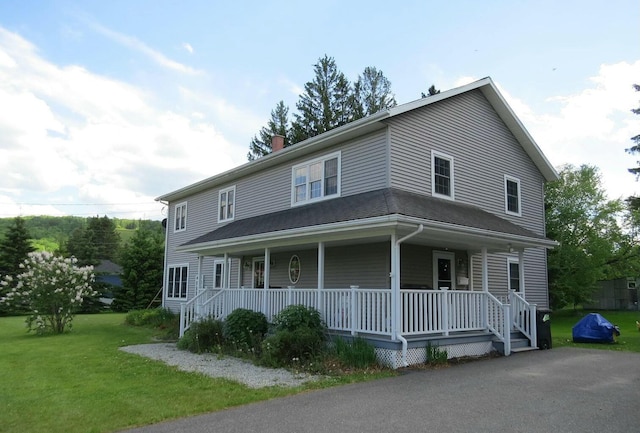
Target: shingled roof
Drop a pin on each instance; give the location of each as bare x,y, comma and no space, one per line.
388,201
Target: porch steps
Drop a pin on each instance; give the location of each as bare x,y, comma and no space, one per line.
519,343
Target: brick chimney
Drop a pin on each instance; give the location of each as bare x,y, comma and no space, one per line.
277,143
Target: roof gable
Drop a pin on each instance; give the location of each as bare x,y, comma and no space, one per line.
371,123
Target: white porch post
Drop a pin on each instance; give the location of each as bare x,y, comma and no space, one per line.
521,271
485,286
225,272
267,272
396,304
199,285
485,270
320,279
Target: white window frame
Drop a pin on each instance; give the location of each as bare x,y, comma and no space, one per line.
307,164
217,263
515,180
171,291
226,191
435,154
180,217
510,261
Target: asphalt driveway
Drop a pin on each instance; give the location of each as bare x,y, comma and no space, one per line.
559,390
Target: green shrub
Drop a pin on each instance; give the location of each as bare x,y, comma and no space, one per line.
299,316
435,355
245,329
158,318
203,336
286,348
357,354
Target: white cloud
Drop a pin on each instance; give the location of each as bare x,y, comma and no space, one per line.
187,47
135,44
67,132
592,126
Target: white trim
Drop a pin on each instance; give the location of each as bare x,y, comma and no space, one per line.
235,198
299,269
447,255
174,266
307,164
216,263
177,220
334,231
253,271
510,261
515,180
434,154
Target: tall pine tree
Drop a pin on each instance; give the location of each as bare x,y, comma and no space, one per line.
277,125
14,249
325,104
634,202
371,93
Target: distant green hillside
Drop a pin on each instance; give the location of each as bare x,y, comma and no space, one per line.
49,233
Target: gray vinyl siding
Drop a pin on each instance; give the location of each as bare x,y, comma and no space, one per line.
468,129
366,266
416,266
535,269
363,168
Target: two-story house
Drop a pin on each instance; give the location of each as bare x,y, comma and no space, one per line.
420,223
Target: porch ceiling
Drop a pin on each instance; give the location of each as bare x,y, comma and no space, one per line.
370,217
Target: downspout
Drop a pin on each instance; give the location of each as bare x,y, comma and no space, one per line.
396,277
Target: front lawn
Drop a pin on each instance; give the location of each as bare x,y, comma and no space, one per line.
81,382
629,340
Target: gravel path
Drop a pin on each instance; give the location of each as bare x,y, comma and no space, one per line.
215,366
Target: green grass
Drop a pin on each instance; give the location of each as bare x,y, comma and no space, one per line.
563,321
81,382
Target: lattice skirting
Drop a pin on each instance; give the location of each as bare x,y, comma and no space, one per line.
417,355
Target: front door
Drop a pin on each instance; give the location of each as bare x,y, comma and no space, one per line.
444,273
258,273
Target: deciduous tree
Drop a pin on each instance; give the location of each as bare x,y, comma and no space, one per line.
52,288
585,223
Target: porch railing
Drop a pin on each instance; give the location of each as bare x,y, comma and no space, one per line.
523,316
368,311
441,311
499,321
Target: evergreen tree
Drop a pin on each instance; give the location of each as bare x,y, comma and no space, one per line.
97,240
325,104
431,91
634,202
277,125
142,267
371,93
15,247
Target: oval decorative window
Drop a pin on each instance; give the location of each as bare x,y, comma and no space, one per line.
294,269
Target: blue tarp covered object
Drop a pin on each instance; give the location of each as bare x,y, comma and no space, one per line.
593,328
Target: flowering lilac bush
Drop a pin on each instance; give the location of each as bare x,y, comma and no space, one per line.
51,288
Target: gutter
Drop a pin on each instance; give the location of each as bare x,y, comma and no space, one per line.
399,336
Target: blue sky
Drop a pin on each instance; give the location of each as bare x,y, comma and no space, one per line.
106,105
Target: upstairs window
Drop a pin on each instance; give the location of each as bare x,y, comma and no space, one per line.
177,281
180,217
226,204
441,175
316,180
512,195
